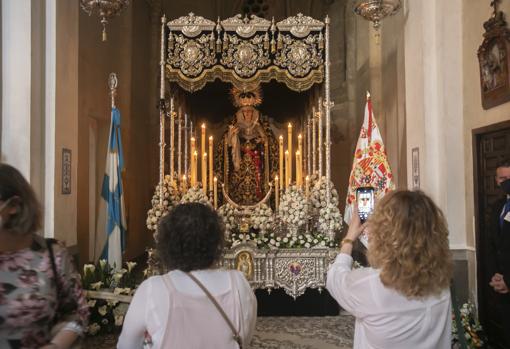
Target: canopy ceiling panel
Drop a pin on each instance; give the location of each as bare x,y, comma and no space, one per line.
245,51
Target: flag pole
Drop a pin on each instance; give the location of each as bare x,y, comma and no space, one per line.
162,113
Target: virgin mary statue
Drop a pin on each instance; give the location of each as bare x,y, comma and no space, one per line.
247,153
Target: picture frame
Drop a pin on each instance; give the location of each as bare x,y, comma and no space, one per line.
494,62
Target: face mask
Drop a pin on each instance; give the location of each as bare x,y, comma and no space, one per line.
505,185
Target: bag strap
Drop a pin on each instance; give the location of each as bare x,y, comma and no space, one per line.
236,335
49,243
460,328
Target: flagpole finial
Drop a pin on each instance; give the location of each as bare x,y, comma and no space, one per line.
112,84
368,95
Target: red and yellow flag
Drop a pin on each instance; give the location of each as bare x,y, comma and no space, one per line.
370,167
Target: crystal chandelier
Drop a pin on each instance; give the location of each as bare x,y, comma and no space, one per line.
105,9
376,10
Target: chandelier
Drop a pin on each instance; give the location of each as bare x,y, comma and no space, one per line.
376,10
105,9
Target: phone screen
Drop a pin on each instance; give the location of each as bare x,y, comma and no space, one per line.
365,200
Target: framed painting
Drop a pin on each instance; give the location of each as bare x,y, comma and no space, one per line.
494,61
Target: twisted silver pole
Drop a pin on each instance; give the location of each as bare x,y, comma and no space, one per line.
327,107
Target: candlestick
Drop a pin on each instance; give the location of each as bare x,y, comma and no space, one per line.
307,186
309,147
281,160
211,156
314,142
215,193
204,172
172,141
186,144
319,118
179,149
287,172
289,148
276,193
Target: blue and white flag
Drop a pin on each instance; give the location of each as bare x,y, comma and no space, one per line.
112,193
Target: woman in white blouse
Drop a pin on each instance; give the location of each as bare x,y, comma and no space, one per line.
402,301
171,311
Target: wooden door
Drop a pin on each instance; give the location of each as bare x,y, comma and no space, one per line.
490,145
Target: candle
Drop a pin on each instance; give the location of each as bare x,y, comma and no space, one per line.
298,169
215,192
314,143
281,160
194,162
204,172
307,186
276,193
319,117
184,184
308,148
287,167
179,149
186,144
202,139
172,140
289,148
211,163
192,153
300,149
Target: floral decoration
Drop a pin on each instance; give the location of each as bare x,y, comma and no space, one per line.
195,194
293,209
475,337
288,240
107,315
171,197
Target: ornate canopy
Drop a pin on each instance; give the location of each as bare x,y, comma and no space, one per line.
245,51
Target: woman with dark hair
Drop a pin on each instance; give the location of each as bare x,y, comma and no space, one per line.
195,305
402,301
40,290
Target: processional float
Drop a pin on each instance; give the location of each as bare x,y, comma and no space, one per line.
280,209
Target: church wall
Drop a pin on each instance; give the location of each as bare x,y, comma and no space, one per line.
474,14
66,118
127,53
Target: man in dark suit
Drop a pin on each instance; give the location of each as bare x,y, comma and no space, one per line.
499,254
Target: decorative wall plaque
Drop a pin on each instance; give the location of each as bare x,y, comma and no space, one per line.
66,171
494,60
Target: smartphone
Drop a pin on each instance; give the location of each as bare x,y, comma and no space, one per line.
366,202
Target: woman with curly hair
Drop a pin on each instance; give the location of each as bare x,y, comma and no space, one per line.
402,301
178,309
41,300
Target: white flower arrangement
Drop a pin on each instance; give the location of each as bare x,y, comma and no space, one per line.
318,194
171,197
271,240
195,194
293,209
330,220
262,217
229,214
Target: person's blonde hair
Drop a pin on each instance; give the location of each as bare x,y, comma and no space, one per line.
409,244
